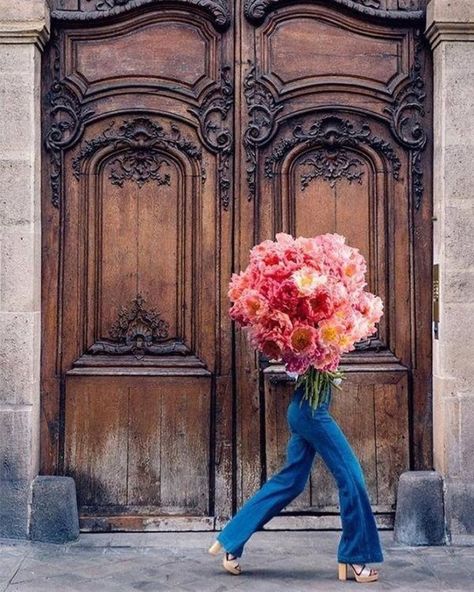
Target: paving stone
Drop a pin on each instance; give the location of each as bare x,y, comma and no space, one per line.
179,562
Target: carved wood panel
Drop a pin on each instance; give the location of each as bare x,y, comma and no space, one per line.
139,104
336,139
178,134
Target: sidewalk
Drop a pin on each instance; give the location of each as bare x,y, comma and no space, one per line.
178,562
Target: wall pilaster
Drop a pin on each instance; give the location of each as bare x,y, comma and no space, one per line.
24,29
450,30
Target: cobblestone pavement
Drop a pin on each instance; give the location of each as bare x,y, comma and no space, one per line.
179,562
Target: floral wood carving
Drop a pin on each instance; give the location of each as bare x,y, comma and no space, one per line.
332,166
216,131
256,10
407,121
140,166
66,118
142,142
332,134
262,109
139,332
219,10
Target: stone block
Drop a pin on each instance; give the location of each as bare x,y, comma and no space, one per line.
18,112
54,515
458,286
447,11
459,234
419,518
446,431
17,206
20,257
18,452
452,431
458,70
23,11
466,439
24,22
459,184
14,508
460,507
456,343
19,357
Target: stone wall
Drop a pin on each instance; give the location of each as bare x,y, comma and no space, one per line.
450,30
23,30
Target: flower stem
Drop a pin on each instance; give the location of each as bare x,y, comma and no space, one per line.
317,385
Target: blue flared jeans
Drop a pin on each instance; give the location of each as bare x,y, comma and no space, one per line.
312,432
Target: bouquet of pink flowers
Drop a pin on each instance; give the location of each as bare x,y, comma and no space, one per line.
303,302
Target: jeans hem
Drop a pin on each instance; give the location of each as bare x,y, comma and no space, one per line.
222,541
360,560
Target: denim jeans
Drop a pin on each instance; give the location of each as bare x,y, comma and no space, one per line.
311,433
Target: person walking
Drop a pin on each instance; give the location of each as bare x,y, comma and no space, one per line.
313,431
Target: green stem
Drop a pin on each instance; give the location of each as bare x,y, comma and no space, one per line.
317,385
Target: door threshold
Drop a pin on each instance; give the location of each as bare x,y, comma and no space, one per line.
146,523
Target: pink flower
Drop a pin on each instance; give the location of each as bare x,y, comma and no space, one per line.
272,342
303,300
370,306
303,339
321,305
285,296
307,280
297,364
276,319
237,285
254,304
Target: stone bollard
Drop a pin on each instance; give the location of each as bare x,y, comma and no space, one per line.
54,517
419,518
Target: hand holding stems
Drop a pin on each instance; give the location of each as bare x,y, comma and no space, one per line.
317,384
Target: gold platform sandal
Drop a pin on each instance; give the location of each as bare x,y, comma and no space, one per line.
229,562
362,573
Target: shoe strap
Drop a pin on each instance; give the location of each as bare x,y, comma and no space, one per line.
361,570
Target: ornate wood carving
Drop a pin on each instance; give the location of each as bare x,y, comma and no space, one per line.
262,109
407,121
139,332
333,134
216,130
140,166
218,10
142,140
369,3
256,10
108,4
373,343
66,118
332,166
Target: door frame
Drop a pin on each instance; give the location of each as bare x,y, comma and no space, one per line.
224,431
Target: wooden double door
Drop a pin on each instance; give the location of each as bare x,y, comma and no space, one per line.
176,135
